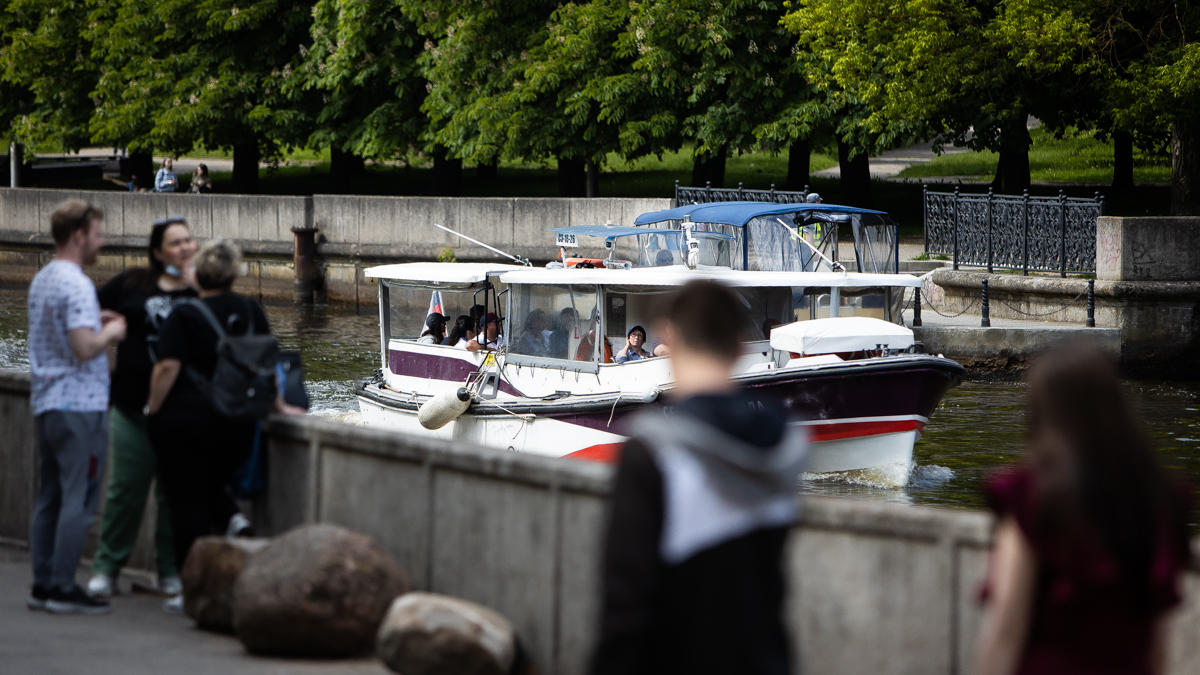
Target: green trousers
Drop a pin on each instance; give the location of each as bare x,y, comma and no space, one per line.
132,471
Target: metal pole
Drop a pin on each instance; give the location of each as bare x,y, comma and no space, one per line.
15,159
925,217
707,191
955,229
986,321
835,301
1091,306
1062,226
675,201
917,307
1025,238
897,257
740,191
989,231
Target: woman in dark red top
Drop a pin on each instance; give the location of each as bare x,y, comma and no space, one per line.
1092,535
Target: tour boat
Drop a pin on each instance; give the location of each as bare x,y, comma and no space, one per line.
858,383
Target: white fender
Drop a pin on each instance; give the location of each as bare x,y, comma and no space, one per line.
444,408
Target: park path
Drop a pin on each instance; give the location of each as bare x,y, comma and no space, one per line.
137,638
892,162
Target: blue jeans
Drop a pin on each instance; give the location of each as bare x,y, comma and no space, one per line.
72,449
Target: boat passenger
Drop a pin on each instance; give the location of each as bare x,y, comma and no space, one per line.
633,346
768,325
560,334
533,340
461,333
664,258
435,329
490,338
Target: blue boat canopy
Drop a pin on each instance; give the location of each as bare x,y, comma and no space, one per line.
740,213
607,232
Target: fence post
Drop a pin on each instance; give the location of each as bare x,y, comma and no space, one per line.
1091,306
955,229
1062,226
676,200
740,198
924,216
1025,237
707,191
989,231
1100,199
775,200
986,320
917,307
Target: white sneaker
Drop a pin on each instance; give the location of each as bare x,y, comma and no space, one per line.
102,586
239,526
172,585
174,605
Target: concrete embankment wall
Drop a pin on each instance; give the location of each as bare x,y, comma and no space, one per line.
875,588
353,232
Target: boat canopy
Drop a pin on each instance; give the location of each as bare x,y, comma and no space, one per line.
439,273
677,275
609,232
738,214
840,335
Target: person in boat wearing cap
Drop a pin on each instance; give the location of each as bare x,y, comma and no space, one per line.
633,346
435,329
490,337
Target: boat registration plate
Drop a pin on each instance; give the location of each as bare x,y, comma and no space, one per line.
489,360
567,240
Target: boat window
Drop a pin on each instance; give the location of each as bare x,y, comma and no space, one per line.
411,305
554,322
767,307
774,244
665,247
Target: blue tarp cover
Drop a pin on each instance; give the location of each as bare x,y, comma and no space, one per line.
606,232
739,213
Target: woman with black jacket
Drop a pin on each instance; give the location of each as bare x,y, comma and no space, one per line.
144,296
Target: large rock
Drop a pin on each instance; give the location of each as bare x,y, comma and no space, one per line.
431,634
212,567
319,590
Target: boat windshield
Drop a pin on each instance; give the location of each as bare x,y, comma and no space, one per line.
659,248
410,306
555,322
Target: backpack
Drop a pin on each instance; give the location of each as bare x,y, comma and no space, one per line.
243,384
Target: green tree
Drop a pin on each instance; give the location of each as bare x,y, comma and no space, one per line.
177,73
362,64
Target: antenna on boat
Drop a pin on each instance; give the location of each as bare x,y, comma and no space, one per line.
835,266
515,258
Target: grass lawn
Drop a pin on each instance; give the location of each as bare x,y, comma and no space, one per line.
1078,157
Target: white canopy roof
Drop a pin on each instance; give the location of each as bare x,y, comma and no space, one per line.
677,275
444,273
840,334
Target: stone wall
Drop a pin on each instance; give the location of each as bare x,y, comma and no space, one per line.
353,232
874,588
1148,249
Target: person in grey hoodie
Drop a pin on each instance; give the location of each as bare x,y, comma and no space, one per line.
704,497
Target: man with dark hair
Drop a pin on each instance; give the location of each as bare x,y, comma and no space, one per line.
69,340
703,500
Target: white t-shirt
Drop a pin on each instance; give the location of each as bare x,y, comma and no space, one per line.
61,299
496,344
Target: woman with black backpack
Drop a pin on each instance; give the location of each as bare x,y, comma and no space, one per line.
198,445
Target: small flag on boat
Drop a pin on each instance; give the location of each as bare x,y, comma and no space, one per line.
435,303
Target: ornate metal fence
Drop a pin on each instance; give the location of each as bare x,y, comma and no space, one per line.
704,195
1043,234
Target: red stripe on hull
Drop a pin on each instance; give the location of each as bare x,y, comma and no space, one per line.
606,453
836,431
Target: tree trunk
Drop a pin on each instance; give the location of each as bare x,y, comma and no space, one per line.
245,168
1185,167
593,179
798,162
571,178
856,176
1122,161
139,165
1012,169
446,180
486,173
709,170
345,168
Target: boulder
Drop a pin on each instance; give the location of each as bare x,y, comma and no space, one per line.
432,634
213,565
318,590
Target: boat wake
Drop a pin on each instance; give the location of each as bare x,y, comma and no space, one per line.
888,476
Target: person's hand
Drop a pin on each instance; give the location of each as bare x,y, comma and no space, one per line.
113,330
107,315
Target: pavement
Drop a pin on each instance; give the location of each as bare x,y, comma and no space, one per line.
137,638
892,162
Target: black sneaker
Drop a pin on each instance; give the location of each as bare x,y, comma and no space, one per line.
75,601
37,597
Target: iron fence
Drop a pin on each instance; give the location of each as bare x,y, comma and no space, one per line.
1042,234
707,194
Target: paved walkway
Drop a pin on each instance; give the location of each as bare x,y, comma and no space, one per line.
893,162
135,639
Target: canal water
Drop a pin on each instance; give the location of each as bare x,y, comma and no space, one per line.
977,427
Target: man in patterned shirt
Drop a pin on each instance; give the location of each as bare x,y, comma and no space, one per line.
69,339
